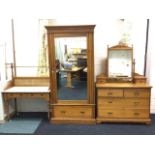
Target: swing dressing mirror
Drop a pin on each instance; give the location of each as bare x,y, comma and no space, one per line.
120,63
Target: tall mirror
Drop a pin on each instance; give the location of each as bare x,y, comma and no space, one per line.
71,67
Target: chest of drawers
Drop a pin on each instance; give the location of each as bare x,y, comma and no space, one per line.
123,103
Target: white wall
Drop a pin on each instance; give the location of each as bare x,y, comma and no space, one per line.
107,32
1,105
2,49
71,12
5,54
151,62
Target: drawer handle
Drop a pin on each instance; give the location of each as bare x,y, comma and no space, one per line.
63,112
110,93
110,113
136,103
136,114
82,112
109,101
136,93
31,94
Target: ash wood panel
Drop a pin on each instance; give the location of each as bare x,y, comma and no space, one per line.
75,102
119,103
72,31
73,120
125,113
9,96
72,111
9,84
123,85
133,106
127,120
137,93
90,68
110,92
31,81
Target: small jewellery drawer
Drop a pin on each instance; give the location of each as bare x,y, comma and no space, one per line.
145,93
72,111
110,92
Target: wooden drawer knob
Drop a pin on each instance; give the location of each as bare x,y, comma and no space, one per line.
110,113
63,112
136,114
136,103
109,101
110,93
136,93
82,112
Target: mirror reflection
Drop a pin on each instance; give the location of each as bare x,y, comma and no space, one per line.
120,63
71,68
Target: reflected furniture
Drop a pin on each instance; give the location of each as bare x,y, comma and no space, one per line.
25,87
72,111
122,94
70,73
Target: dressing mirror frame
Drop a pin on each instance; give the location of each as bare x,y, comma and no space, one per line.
72,31
120,47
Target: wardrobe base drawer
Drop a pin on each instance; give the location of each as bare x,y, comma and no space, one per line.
73,111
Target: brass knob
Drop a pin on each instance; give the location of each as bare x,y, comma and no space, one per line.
63,112
110,113
136,114
82,112
110,93
136,93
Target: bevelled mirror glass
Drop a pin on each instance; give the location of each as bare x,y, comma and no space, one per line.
120,62
71,67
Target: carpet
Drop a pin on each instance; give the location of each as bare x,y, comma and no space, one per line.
20,126
99,129
79,92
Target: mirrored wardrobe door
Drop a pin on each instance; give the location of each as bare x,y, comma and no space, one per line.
71,67
71,61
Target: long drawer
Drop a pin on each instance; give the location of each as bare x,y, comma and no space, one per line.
125,113
120,102
145,93
110,92
73,111
28,95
